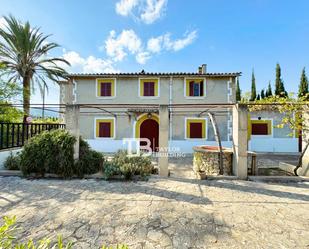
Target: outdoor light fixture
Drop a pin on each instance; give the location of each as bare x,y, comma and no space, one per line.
259,118
149,115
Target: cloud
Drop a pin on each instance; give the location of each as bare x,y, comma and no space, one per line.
90,64
147,11
153,11
125,7
119,46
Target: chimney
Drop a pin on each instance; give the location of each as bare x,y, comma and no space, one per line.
204,68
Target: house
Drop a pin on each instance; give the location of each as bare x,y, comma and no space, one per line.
116,106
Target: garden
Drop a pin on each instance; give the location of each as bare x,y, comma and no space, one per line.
50,154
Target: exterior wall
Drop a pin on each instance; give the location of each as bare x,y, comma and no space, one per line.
279,141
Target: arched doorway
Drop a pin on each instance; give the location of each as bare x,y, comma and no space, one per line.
148,127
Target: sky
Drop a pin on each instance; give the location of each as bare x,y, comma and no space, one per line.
174,36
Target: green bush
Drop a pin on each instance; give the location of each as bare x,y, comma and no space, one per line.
90,161
8,241
132,165
110,169
52,152
12,162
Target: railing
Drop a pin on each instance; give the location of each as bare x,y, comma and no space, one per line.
16,134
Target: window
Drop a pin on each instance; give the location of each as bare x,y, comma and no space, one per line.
194,87
104,128
149,88
106,87
196,128
260,127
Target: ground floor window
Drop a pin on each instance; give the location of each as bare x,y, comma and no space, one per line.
105,128
260,127
195,128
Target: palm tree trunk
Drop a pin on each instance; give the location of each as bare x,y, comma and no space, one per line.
26,97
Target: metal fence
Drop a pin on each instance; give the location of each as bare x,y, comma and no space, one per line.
16,134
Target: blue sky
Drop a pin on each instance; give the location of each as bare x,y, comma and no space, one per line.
169,36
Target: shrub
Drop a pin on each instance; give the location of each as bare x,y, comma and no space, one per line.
90,161
132,165
52,152
49,152
110,169
7,238
12,162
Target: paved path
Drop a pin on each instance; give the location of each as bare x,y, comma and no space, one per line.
161,213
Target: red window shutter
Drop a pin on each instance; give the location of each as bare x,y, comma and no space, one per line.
196,130
259,129
105,129
106,89
201,88
149,89
191,86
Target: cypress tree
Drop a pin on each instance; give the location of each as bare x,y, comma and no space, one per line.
258,97
303,85
262,94
269,91
253,88
238,91
279,85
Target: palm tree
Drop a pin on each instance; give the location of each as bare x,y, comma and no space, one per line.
24,53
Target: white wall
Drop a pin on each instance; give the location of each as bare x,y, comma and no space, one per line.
270,144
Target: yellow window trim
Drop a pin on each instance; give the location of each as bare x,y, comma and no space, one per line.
189,121
188,86
105,80
141,120
262,121
141,86
111,121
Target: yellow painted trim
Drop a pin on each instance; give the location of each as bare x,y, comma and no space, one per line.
99,81
111,121
141,120
141,86
189,121
262,121
188,85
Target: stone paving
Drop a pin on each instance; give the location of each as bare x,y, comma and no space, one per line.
175,212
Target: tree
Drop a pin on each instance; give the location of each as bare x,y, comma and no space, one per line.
269,91
258,97
238,91
24,53
253,87
303,85
262,94
279,85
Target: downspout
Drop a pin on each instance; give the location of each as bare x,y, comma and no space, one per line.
170,108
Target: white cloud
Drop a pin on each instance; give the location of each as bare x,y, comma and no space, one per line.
90,64
119,46
143,57
153,11
147,11
2,23
125,7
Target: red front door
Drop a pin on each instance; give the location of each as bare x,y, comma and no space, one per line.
150,129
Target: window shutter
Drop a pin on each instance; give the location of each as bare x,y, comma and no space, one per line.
196,130
106,89
191,87
149,89
201,88
259,129
105,129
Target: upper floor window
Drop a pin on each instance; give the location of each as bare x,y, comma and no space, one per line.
194,88
106,87
149,88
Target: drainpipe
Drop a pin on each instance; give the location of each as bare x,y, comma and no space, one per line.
170,109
